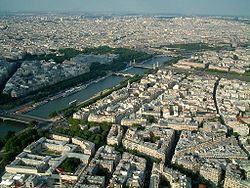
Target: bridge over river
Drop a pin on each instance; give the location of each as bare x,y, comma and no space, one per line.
23,118
144,66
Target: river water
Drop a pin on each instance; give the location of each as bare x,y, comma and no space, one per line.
10,126
82,95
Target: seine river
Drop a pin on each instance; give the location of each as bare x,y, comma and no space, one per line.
10,126
82,95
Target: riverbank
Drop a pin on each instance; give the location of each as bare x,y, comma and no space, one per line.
61,94
82,95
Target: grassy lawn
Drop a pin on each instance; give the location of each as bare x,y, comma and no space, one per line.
50,152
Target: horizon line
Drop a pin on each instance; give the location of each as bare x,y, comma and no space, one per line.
102,13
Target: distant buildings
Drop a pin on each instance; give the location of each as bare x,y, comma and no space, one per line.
34,75
43,34
227,61
38,34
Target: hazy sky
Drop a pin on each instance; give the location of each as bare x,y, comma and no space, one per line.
211,7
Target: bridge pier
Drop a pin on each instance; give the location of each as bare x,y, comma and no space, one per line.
3,119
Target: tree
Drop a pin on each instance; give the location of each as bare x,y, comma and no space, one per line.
102,171
235,57
33,123
17,143
7,157
70,164
1,144
151,119
4,98
9,135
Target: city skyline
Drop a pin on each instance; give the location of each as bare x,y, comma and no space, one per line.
132,93
190,7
